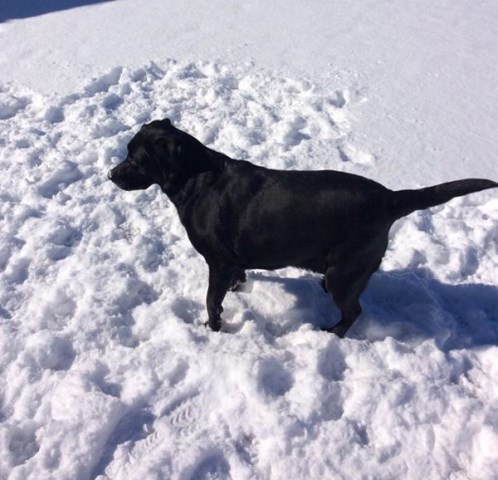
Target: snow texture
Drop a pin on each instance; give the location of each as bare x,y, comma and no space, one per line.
107,367
107,371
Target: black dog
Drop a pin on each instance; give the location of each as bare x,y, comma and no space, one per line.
241,216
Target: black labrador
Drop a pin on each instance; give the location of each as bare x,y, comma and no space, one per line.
241,216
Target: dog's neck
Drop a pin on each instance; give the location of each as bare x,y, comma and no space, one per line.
203,173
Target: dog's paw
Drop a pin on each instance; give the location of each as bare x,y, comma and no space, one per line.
338,330
214,325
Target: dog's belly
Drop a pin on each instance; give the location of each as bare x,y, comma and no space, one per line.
271,254
317,265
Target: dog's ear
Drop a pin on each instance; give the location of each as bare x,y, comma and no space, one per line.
164,124
165,147
175,150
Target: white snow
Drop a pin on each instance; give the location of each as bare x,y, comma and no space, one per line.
106,370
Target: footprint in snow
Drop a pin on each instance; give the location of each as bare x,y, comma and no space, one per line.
22,443
103,83
213,466
341,99
62,240
134,428
11,105
66,175
186,309
17,270
331,364
350,153
273,378
54,115
184,414
291,133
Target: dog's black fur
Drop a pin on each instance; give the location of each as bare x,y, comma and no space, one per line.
241,216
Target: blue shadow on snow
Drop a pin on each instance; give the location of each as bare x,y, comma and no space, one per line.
10,10
408,305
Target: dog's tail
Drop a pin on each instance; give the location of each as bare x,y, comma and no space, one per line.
404,202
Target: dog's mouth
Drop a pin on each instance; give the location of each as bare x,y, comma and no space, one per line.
127,179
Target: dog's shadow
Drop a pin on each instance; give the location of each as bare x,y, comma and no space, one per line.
407,305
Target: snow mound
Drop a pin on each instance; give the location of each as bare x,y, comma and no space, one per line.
107,371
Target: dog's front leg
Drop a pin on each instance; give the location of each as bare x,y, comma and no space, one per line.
219,283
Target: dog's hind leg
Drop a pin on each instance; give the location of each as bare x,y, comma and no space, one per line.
220,279
346,283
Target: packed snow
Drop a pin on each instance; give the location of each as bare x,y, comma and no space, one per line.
106,369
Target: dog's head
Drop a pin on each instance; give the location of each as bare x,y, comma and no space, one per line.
160,154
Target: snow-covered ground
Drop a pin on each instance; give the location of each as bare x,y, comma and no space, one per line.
105,368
